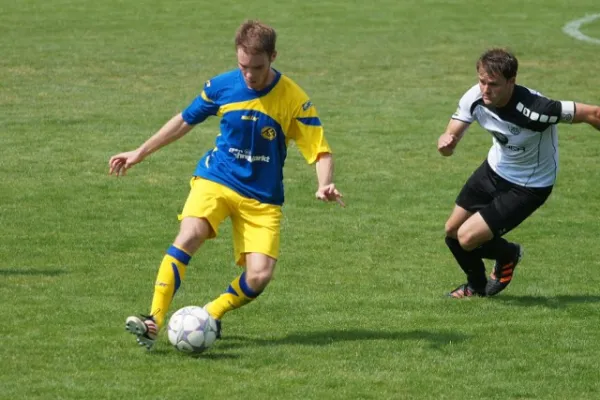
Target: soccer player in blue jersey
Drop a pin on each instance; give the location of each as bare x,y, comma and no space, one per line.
241,178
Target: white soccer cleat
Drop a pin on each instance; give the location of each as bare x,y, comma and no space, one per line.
144,328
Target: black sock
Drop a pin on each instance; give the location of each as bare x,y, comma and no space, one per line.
470,262
498,249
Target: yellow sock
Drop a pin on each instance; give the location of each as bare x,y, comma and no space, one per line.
237,294
170,274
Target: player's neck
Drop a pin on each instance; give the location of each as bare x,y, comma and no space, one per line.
270,78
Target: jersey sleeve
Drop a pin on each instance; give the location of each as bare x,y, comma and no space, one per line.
306,130
464,111
548,111
202,107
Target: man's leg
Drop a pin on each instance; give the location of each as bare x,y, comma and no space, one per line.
476,194
495,249
470,263
507,211
192,234
171,272
256,230
246,287
202,214
474,232
507,256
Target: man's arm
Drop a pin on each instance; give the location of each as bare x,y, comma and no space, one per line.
450,138
174,129
324,169
588,114
327,190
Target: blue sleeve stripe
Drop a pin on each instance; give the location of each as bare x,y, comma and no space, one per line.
312,121
179,255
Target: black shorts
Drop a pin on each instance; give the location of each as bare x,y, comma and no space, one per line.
502,204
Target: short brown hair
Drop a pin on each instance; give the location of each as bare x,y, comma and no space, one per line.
498,61
254,37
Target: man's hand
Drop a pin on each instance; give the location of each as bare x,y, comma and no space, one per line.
446,144
174,129
329,193
120,163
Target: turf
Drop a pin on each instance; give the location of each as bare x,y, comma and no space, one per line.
356,309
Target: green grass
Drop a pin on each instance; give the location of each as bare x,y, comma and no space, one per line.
356,309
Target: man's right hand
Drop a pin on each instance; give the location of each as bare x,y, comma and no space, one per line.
446,144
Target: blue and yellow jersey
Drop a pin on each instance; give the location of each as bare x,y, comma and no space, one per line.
256,127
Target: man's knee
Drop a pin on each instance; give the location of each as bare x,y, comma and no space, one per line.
474,232
258,280
259,270
464,239
451,230
469,240
192,233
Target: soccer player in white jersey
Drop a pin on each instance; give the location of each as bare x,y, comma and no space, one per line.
516,178
241,178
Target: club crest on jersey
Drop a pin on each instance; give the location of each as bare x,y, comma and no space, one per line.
268,133
207,83
307,105
515,130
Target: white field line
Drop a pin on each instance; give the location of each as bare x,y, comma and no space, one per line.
572,28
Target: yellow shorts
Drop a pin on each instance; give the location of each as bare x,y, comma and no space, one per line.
256,225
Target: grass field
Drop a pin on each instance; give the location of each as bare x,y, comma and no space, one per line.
356,310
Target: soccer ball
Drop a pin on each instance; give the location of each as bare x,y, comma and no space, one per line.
192,330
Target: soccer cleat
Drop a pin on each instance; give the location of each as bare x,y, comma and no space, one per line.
218,321
144,328
464,290
502,274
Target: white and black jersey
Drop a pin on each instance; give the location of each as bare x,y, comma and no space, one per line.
525,142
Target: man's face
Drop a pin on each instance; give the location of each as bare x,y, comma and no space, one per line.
496,89
255,68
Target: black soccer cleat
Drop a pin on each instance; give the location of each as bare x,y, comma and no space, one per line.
218,321
502,274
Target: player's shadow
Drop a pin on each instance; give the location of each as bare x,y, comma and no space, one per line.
323,338
31,272
210,355
546,301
